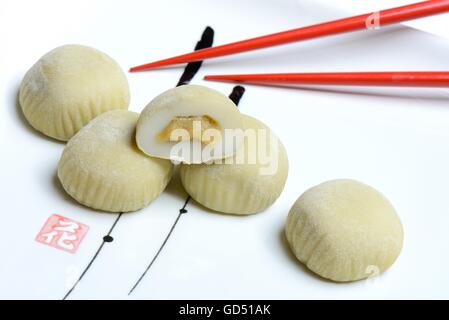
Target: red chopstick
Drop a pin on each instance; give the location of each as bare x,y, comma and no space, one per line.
384,17
404,79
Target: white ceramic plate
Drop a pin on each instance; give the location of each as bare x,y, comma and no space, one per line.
393,139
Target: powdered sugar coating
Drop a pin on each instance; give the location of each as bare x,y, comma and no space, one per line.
344,230
238,188
68,87
101,166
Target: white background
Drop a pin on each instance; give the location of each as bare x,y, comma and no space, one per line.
393,139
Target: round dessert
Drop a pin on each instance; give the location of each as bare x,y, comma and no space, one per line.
68,87
247,183
344,230
102,168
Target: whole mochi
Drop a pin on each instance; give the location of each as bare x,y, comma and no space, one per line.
68,87
102,168
241,187
344,230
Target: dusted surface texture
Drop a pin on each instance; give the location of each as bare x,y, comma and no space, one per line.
239,188
344,230
102,168
68,87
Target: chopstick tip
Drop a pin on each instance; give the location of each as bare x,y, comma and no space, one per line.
145,67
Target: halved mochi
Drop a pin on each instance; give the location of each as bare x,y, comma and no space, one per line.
190,124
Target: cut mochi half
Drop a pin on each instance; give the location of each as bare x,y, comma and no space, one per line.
190,124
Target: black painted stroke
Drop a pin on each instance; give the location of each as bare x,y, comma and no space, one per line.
207,39
191,69
181,212
235,96
106,238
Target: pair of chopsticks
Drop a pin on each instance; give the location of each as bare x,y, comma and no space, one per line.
360,22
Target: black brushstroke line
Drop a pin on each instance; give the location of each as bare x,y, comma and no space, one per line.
206,41
191,69
235,96
94,257
181,212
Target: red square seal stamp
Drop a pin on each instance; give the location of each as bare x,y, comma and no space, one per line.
62,233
